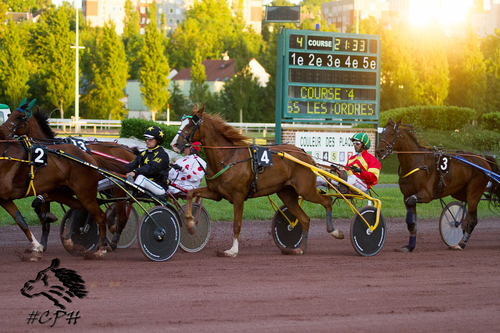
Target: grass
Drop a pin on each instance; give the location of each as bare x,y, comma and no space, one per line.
261,209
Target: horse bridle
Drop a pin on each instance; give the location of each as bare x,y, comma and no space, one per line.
390,146
197,121
15,127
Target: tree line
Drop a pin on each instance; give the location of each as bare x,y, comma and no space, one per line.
420,66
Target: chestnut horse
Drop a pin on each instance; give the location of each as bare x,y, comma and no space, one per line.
36,126
427,174
20,178
230,174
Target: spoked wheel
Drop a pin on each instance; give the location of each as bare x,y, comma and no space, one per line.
196,242
450,223
129,232
285,236
159,233
366,242
85,231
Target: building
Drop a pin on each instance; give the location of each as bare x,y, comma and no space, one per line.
97,12
24,16
216,71
485,23
344,13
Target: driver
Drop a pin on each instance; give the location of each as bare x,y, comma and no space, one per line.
188,172
363,169
150,168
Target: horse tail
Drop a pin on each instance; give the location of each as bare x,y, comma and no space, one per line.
110,164
494,189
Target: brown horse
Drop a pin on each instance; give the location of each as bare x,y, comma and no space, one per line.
427,174
230,174
21,179
37,127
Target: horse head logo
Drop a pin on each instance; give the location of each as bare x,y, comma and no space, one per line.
57,284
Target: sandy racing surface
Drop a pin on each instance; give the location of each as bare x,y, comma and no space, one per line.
330,289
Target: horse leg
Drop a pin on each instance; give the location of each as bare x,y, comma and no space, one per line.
37,248
238,204
325,201
411,223
471,224
202,192
121,221
290,198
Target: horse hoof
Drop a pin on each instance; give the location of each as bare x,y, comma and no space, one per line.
462,245
456,247
297,251
230,253
68,244
112,229
113,246
49,218
407,248
337,234
35,256
99,254
191,227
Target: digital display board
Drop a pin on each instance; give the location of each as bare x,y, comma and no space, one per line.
328,76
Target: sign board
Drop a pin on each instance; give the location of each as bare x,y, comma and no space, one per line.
283,14
333,147
327,77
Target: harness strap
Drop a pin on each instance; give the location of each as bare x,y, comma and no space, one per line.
412,171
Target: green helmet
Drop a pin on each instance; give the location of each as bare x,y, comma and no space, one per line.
363,137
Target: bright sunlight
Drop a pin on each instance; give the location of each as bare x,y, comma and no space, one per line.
445,11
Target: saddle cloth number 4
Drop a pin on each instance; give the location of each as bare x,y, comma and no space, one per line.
264,157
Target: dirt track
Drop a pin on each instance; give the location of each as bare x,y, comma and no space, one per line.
330,289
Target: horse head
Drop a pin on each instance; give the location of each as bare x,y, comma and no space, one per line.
189,130
389,138
55,284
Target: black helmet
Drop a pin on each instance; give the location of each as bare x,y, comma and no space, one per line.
154,132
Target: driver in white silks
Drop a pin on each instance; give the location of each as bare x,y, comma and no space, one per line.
150,168
188,171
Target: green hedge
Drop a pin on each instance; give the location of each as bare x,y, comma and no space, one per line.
478,138
135,127
491,121
444,118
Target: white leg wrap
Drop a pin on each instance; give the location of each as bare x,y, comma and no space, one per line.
233,251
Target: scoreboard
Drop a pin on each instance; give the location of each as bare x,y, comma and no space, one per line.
327,77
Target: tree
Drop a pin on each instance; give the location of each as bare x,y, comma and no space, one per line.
155,69
179,105
204,29
55,59
13,71
198,92
108,77
431,65
400,86
132,39
467,73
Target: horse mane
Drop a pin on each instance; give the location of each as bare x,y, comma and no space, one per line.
228,131
42,118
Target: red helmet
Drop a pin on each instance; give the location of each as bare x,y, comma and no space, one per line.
196,145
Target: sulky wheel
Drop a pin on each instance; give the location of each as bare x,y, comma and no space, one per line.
129,232
285,236
366,242
196,242
159,233
450,223
85,231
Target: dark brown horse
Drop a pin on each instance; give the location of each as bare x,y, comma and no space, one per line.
230,174
36,126
427,174
60,172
